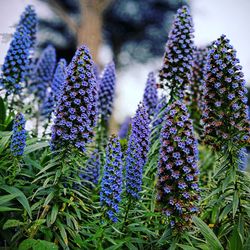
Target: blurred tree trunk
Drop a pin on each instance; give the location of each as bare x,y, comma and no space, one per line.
90,28
89,31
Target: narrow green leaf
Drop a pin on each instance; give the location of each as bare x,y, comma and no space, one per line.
49,198
20,197
47,167
225,211
6,198
235,202
2,112
4,141
131,246
186,247
208,234
62,232
7,209
34,147
12,223
54,213
235,240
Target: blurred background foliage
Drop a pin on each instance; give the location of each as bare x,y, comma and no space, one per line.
134,30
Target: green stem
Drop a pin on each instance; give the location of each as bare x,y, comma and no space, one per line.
11,103
126,212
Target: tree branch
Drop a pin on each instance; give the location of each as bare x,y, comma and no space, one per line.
63,14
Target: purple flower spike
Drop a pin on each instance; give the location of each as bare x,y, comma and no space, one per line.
17,60
76,111
195,97
159,113
18,139
137,151
177,170
111,186
107,91
43,72
29,21
58,79
96,71
54,94
124,129
226,115
150,98
91,172
243,159
178,59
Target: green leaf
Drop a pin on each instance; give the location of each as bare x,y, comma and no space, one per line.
4,141
208,234
2,112
6,198
6,209
165,236
225,211
247,243
12,223
34,147
50,165
186,247
235,202
37,245
226,182
54,213
131,246
62,232
235,240
49,198
19,196
27,244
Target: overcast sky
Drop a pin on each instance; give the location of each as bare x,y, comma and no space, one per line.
211,19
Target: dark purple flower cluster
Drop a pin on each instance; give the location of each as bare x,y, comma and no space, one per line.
124,129
111,186
91,172
43,72
178,59
138,147
150,97
195,96
226,115
107,91
76,111
18,138
178,170
54,94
